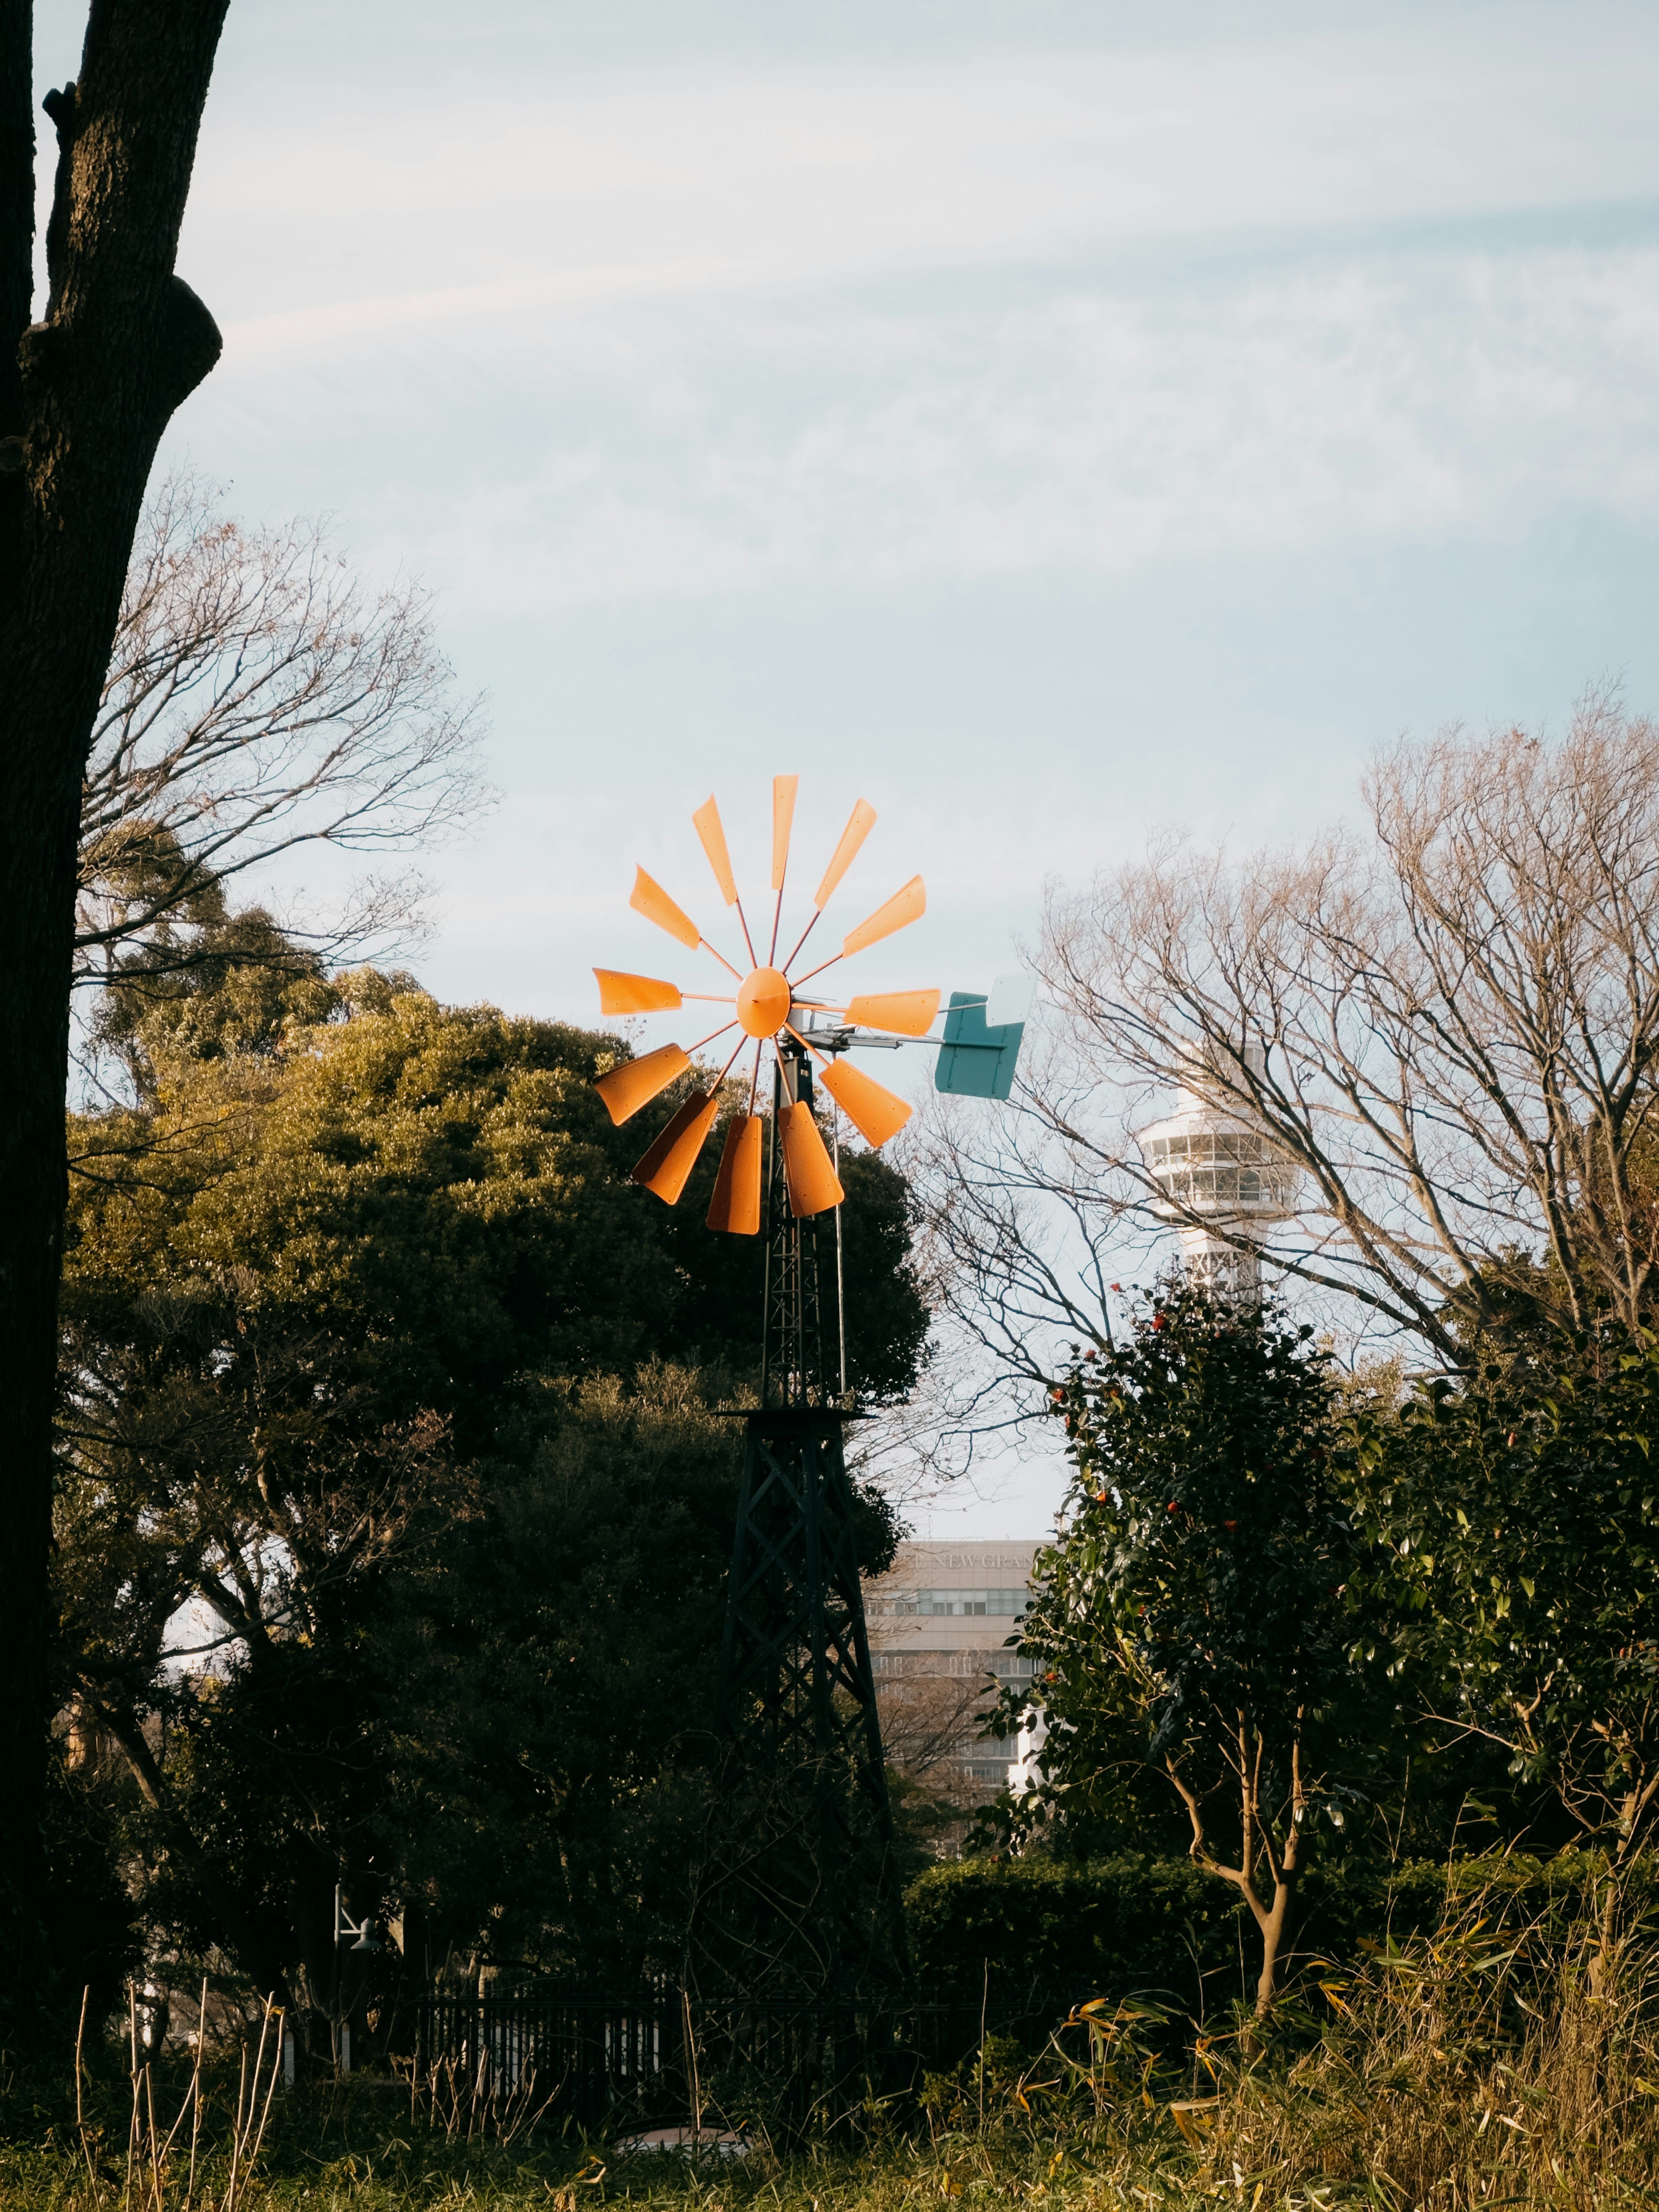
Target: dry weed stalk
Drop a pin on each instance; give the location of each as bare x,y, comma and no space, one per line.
149,2182
467,2102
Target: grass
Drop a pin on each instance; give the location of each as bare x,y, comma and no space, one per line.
1501,2062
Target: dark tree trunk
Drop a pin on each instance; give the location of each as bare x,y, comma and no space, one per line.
16,203
89,391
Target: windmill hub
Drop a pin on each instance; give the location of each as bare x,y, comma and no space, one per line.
763,1002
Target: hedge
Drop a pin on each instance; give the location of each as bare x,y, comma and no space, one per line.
1137,1923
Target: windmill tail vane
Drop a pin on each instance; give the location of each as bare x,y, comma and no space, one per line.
766,1009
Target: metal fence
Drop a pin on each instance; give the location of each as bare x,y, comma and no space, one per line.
646,2058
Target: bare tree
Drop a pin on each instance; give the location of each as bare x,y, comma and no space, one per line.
1459,1011
1025,1213
930,1719
259,699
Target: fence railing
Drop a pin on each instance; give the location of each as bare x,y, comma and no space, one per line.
650,2057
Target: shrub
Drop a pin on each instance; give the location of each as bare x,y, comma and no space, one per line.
1138,1924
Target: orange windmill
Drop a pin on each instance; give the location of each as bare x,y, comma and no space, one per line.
768,1011
797,1680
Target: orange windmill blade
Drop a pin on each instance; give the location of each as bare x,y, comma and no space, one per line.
814,1186
710,829
649,898
904,907
635,1083
861,821
784,788
859,824
874,1111
666,1167
765,1011
904,1014
634,995
736,1204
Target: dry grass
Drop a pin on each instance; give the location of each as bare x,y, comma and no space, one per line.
1502,2062
1493,2063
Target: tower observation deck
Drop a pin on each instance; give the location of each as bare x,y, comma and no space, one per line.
1223,1182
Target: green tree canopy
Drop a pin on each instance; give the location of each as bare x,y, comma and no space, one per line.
1195,1591
387,1390
1514,1512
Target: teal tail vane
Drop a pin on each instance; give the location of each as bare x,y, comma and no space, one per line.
975,1061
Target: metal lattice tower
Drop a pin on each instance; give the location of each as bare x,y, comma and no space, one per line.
797,1699
796,1363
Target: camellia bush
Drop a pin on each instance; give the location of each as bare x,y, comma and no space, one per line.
1191,1617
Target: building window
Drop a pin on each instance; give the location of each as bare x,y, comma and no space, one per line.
958,1604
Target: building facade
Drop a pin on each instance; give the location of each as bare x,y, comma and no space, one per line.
939,1624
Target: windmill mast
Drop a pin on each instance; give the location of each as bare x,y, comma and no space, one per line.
799,1896
797,1693
799,1357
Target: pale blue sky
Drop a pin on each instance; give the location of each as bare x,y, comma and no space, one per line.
1054,421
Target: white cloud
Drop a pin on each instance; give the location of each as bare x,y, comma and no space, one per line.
672,332
586,339
791,175
296,329
1464,394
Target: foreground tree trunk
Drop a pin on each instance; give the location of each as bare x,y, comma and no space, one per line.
1271,1902
85,395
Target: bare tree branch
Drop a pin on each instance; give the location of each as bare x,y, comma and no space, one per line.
260,699
1458,1013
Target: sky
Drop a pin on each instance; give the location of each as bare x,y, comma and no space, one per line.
1056,423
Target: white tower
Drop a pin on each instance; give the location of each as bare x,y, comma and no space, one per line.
1025,1769
1224,1182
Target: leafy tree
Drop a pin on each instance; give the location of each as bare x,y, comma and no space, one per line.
559,1657
582,1619
365,1331
1196,1590
1515,1512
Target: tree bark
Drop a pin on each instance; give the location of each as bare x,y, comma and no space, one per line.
1271,1919
91,387
16,204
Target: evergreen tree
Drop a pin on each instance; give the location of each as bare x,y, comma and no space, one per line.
392,1399
1195,1594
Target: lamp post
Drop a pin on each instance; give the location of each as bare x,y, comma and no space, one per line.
368,1939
